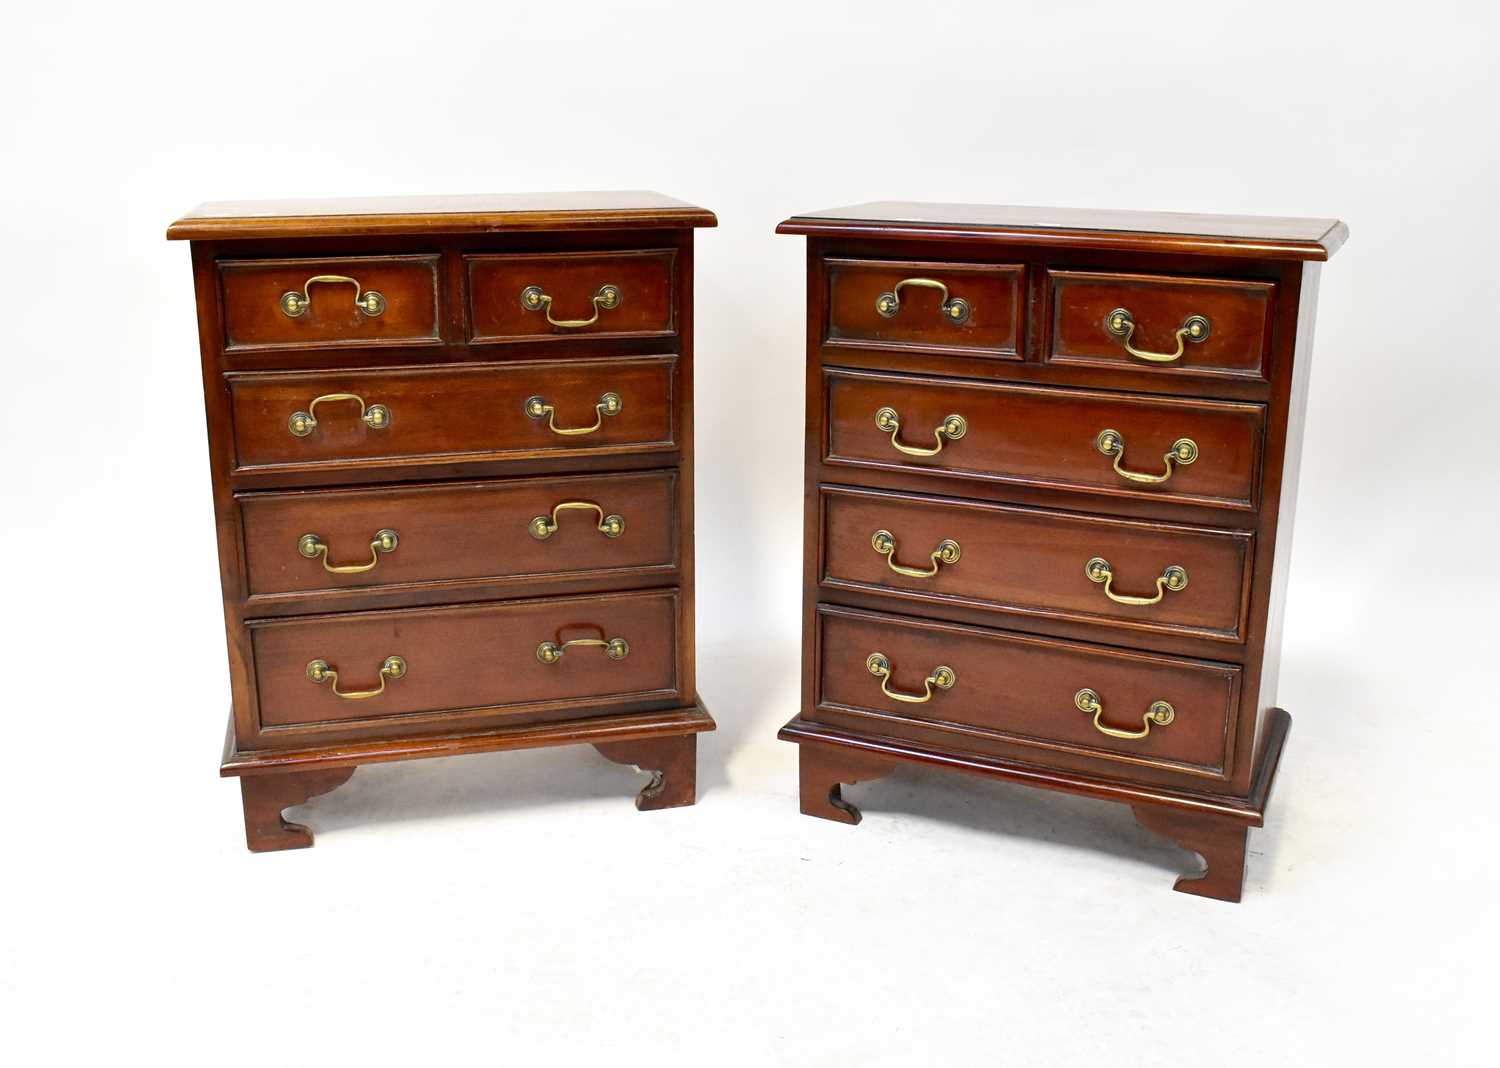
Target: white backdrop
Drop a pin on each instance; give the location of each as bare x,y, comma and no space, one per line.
515,907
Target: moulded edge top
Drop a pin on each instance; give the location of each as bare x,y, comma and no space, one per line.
1266,237
481,213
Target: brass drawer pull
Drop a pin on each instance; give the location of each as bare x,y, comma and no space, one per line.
955,311
952,428
319,672
552,652
1121,323
376,416
1110,443
947,552
609,404
611,526
607,297
942,677
369,301
1160,713
1174,578
312,547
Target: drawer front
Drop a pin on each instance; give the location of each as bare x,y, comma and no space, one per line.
965,309
344,539
470,658
1161,325
393,416
1037,562
570,294
322,303
1026,690
1111,443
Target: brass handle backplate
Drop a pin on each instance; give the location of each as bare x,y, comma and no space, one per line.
376,416
942,677
1160,713
605,298
947,552
1121,323
312,547
542,528
955,310
1110,442
552,652
368,301
953,427
609,404
1174,578
319,672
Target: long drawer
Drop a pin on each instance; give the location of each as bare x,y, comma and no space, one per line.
966,682
431,664
313,540
1192,451
1037,562
390,416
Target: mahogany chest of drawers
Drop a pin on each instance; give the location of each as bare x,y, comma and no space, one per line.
1051,469
450,441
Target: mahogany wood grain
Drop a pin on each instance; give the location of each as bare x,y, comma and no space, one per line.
1021,688
476,412
450,531
265,797
643,278
993,293
672,763
823,770
464,661
1030,562
1221,844
1238,313
1046,437
254,318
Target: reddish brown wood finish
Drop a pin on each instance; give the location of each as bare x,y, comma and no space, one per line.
993,295
1025,492
643,307
456,470
822,770
672,763
265,796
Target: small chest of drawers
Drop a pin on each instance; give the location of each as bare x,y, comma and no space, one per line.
450,442
1051,470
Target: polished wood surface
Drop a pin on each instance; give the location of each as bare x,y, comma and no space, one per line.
643,279
992,292
456,466
1030,498
451,531
1047,437
470,413
1027,562
464,214
255,319
1239,316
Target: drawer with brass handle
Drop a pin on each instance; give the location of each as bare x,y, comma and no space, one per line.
334,302
959,309
1193,451
532,297
397,417
1209,327
465,664
514,531
1033,563
921,679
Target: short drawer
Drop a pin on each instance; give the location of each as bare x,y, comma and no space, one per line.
1036,562
1096,701
570,294
1161,325
314,540
966,309
395,416
1203,452
449,663
322,303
